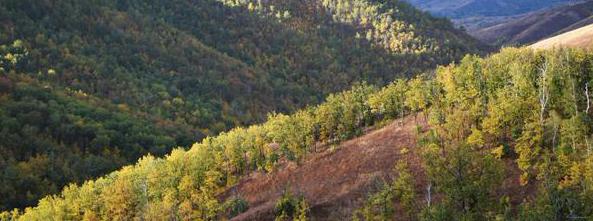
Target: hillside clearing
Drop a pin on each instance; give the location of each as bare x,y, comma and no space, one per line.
337,180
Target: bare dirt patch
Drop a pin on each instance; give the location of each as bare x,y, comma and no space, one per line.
336,181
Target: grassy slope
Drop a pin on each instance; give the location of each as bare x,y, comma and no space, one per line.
580,38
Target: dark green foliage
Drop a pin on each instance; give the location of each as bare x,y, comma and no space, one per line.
203,63
290,207
286,206
439,212
467,179
236,206
381,205
50,139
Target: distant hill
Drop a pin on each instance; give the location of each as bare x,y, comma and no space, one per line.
457,9
539,25
109,81
580,38
502,21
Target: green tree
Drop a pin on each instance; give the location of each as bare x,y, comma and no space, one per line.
467,178
404,189
418,95
378,206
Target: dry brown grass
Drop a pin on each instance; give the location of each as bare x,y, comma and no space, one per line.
337,180
580,38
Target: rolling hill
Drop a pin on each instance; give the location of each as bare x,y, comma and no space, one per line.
579,38
536,26
90,86
476,14
468,8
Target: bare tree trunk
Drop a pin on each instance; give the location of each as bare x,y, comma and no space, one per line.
574,96
428,195
544,94
554,138
588,98
588,146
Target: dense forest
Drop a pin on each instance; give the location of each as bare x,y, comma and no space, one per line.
519,110
89,86
52,136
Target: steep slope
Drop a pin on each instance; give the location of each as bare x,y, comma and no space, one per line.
507,138
537,26
580,38
200,66
336,180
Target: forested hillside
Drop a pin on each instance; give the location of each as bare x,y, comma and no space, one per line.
51,136
103,82
520,109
